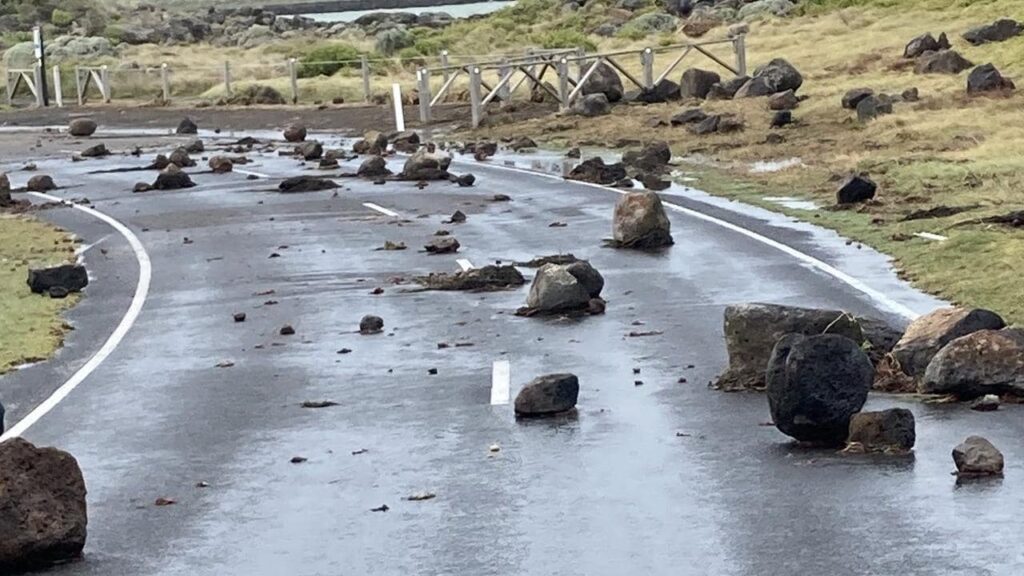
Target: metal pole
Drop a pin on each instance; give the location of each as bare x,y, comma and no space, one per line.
37,35
739,44
105,76
474,95
366,78
294,74
647,59
165,83
78,85
444,65
423,79
563,84
58,89
227,78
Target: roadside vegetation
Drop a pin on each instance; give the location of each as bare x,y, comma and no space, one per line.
31,326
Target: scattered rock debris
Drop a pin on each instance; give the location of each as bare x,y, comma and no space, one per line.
319,403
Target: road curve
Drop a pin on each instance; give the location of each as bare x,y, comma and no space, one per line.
667,477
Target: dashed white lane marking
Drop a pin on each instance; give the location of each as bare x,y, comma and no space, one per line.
465,264
501,379
252,173
930,236
381,209
138,300
820,265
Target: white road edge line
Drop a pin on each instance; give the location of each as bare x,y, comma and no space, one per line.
252,173
138,300
465,264
501,379
381,209
820,265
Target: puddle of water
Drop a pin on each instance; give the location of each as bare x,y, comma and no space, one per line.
792,203
768,166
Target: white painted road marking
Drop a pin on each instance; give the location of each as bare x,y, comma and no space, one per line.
86,247
836,273
381,209
138,300
930,236
465,264
501,379
252,173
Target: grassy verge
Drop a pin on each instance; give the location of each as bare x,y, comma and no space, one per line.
31,327
945,150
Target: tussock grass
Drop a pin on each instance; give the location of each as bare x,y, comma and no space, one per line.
31,327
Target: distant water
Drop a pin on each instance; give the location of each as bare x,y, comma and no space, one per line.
455,10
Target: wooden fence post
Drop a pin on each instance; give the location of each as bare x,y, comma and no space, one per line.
647,59
739,44
165,82
293,75
474,95
423,80
227,78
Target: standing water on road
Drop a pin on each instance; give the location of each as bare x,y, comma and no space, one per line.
454,10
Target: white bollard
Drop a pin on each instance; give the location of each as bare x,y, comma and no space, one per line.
396,97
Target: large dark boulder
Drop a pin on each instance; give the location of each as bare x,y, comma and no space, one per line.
664,91
173,178
305,184
187,126
853,97
407,141
310,150
976,457
856,188
426,164
555,289
71,277
652,157
752,330
548,395
587,276
930,333
96,151
640,222
925,43
998,31
727,89
691,116
592,105
891,431
605,80
942,62
43,516
772,78
697,83
872,107
40,183
373,167
180,158
373,142
986,78
815,384
294,133
596,171
982,362
82,127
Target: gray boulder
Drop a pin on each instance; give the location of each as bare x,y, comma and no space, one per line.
605,80
853,97
977,457
187,126
373,167
595,171
930,333
310,150
592,105
587,276
555,289
221,164
890,431
373,142
82,127
173,178
42,504
727,89
96,151
370,324
998,31
982,362
872,107
181,158
652,157
986,78
762,8
783,101
40,183
943,62
925,43
691,116
752,330
815,384
71,277
697,83
294,133
427,163
774,77
640,222
548,395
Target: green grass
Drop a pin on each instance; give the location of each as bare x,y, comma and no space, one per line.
31,327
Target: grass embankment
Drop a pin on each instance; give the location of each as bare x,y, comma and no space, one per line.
947,149
31,327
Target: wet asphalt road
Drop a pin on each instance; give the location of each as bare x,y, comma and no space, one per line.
663,478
